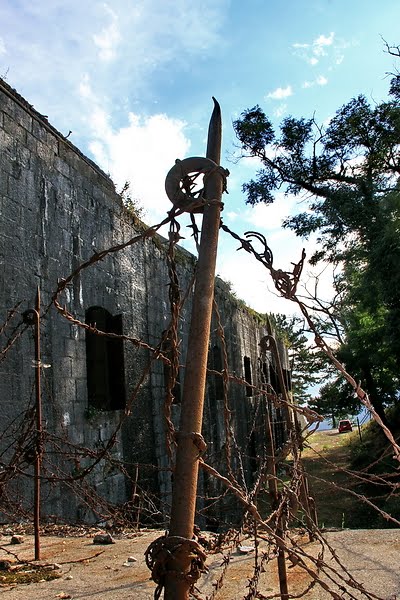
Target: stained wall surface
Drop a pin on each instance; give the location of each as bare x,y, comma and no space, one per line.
57,209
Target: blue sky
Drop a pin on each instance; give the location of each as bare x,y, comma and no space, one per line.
133,81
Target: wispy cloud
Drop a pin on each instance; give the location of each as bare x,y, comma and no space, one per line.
107,40
320,80
280,93
314,51
105,59
321,42
280,111
141,151
52,49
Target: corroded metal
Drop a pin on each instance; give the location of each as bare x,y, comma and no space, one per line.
38,455
179,567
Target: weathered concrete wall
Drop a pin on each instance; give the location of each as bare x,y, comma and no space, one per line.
57,209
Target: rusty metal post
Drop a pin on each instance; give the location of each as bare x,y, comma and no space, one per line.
274,496
273,484
306,506
184,492
38,456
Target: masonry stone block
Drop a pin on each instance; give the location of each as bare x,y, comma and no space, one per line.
14,129
57,209
39,130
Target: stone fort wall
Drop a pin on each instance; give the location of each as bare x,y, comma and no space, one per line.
57,208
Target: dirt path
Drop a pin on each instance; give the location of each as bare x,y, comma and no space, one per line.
336,508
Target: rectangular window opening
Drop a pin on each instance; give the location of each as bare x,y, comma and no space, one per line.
247,375
105,361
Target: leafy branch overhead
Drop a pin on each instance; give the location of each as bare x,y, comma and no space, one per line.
347,166
346,173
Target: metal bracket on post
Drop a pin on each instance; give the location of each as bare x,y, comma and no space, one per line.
182,560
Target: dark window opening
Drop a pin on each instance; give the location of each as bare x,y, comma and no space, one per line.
105,361
217,365
247,375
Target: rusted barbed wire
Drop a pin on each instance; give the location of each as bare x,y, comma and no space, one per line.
160,555
233,483
286,284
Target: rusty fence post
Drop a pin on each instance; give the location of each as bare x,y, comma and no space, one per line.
38,456
32,317
184,557
274,496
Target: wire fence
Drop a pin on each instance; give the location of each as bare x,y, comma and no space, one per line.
257,492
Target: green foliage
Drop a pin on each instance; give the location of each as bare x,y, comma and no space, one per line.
306,363
375,456
345,170
335,401
254,130
375,446
91,412
347,175
133,205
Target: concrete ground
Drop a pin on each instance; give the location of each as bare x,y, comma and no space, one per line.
371,556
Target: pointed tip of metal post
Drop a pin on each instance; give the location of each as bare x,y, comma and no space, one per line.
215,133
216,114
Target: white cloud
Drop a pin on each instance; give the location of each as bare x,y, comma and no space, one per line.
252,281
51,49
281,93
141,152
2,47
321,42
269,217
320,80
251,162
312,52
84,88
109,37
280,111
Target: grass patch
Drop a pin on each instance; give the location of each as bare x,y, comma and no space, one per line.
328,458
374,456
28,574
374,447
324,462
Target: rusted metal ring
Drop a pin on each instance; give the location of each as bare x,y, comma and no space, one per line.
178,183
29,316
160,552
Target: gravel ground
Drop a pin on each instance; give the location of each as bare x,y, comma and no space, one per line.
371,556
